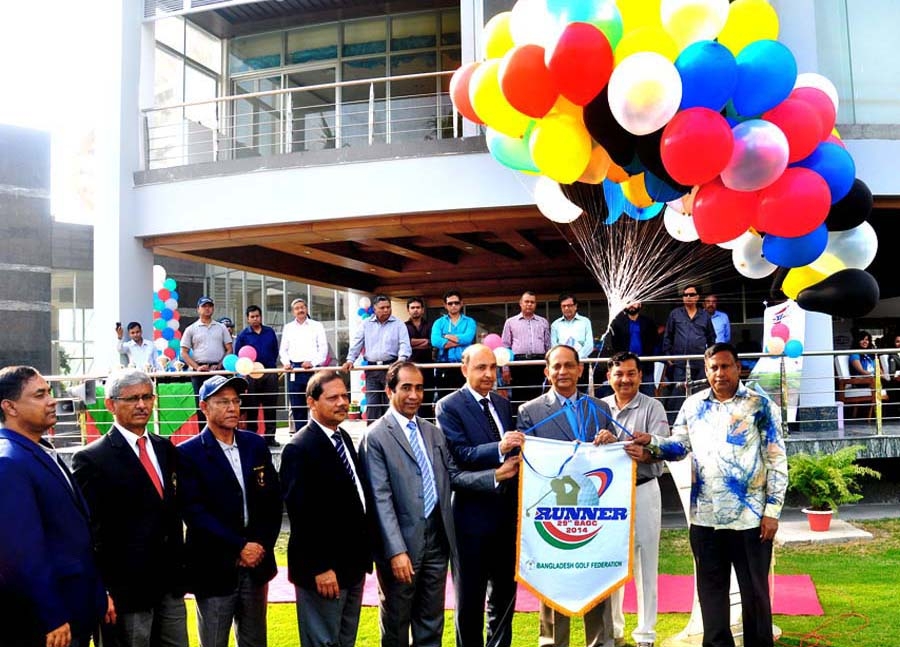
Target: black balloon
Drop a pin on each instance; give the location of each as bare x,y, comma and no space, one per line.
849,294
606,131
851,210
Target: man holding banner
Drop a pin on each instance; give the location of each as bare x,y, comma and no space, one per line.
739,480
566,415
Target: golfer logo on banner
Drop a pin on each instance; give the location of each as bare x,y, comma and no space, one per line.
575,522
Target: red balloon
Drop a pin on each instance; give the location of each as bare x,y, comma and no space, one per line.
822,105
793,205
526,81
722,214
459,91
157,334
696,145
163,294
800,123
170,353
176,315
157,315
580,62
781,331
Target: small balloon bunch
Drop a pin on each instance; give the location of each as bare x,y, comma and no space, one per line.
166,318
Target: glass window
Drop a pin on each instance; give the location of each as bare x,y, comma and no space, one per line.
255,53
417,31
321,307
170,31
319,43
275,307
413,109
168,82
203,48
355,103
450,29
363,37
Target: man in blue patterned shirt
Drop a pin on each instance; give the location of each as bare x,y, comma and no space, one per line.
739,476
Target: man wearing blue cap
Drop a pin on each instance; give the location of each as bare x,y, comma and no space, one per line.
204,345
231,503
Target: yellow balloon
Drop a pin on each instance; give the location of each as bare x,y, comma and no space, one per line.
827,264
647,39
497,37
638,13
748,21
635,191
560,147
834,131
598,167
490,104
798,279
688,21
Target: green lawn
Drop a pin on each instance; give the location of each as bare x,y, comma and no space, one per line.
857,585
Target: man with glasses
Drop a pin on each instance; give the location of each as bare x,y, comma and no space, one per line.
528,335
231,503
689,331
128,478
303,345
451,335
572,329
204,345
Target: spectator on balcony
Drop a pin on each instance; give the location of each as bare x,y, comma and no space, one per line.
204,345
262,391
140,352
630,331
721,322
572,329
303,345
451,335
528,335
419,330
862,363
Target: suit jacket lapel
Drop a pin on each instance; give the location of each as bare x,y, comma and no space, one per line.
477,412
399,435
218,456
561,421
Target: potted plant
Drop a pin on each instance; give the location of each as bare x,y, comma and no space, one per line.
827,481
353,410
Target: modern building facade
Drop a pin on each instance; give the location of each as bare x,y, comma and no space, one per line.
315,143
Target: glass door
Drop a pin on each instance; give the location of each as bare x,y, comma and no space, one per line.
312,115
258,121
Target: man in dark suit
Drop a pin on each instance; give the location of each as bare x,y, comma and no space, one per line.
565,414
128,479
480,434
410,471
231,503
329,552
50,589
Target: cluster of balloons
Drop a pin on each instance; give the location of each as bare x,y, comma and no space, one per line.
244,363
166,318
366,309
779,342
502,354
692,104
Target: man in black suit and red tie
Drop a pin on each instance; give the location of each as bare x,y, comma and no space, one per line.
329,552
129,478
480,434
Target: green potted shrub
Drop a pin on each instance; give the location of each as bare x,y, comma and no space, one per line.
353,410
827,481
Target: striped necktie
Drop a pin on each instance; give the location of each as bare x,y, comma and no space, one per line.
342,454
428,490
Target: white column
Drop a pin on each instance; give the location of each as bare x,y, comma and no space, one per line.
123,274
817,388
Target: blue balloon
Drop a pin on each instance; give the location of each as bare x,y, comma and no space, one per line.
836,165
615,201
793,348
158,304
165,314
361,312
708,75
643,213
168,333
512,152
795,252
766,73
659,190
173,294
229,363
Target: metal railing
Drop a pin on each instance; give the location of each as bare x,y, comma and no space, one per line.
345,114
867,418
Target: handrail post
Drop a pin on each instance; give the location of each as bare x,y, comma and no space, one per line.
878,420
782,379
371,113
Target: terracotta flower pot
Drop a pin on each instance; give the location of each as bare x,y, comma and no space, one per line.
819,520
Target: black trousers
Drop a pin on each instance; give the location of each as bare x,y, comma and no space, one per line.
261,392
715,552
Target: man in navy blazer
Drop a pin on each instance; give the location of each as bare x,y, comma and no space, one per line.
231,503
480,434
50,589
138,533
565,414
330,550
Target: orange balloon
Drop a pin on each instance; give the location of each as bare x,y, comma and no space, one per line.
616,173
635,191
598,168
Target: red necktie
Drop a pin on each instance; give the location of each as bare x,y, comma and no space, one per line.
148,465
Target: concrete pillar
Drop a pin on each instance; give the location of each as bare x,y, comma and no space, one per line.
123,274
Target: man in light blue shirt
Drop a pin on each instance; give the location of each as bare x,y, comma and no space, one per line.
451,335
572,329
721,322
385,340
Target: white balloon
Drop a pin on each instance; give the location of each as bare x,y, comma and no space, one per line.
529,22
365,302
676,205
159,277
551,202
855,248
748,259
775,345
161,344
680,225
813,80
502,355
644,92
174,324
737,242
171,304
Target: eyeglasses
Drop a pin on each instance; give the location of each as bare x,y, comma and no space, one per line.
234,402
134,399
454,303
689,294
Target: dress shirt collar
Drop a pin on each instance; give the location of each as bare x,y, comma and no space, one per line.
478,397
742,392
401,419
328,430
130,437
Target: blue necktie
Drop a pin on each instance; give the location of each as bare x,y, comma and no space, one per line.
342,454
571,416
424,467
